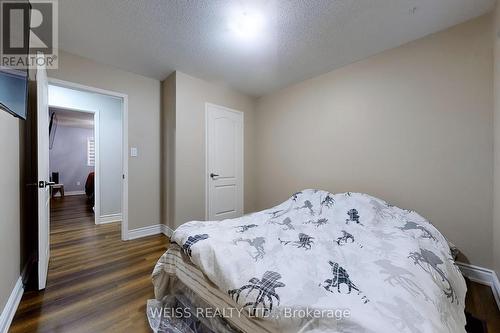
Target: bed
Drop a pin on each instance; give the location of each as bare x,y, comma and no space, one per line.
318,262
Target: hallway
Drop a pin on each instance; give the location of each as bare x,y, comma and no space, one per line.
96,282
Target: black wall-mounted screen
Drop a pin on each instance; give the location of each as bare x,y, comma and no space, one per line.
14,92
14,81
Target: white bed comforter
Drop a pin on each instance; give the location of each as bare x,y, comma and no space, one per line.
389,268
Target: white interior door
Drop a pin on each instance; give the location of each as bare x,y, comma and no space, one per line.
224,162
43,174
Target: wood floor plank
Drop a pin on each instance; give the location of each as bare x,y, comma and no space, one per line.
96,282
481,304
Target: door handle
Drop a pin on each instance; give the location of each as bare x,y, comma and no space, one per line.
213,175
44,184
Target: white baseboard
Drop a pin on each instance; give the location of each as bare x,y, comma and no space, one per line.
144,232
11,307
482,275
70,193
150,231
167,231
110,218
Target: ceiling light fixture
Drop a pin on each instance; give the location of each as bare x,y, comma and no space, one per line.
247,24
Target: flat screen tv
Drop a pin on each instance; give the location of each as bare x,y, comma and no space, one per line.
14,92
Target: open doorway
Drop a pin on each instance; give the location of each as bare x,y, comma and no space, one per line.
47,96
73,151
99,177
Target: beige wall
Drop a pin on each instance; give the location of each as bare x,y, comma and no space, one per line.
191,94
168,148
412,125
496,211
143,130
9,206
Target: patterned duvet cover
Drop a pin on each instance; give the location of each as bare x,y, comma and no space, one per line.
322,262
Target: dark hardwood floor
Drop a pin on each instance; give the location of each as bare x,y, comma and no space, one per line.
480,302
97,283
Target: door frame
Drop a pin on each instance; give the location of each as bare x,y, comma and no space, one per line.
97,162
124,97
43,189
207,171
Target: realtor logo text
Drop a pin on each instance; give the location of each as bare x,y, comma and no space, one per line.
29,34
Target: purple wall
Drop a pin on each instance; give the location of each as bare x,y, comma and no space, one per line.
68,156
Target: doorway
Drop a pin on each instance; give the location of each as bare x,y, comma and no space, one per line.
106,150
46,93
74,157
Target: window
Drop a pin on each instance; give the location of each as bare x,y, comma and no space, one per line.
90,152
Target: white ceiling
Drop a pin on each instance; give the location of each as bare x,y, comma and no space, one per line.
301,38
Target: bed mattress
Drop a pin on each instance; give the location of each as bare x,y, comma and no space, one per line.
175,275
293,267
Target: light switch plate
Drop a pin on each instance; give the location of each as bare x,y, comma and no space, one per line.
133,152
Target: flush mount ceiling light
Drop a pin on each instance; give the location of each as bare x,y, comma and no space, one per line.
247,24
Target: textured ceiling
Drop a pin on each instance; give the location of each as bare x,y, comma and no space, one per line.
301,38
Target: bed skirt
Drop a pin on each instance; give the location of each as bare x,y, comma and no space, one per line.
186,301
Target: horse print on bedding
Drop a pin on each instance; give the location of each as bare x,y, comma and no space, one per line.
339,278
243,228
266,288
429,262
353,216
317,223
287,223
347,250
327,202
345,238
191,241
257,243
307,205
415,226
305,242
